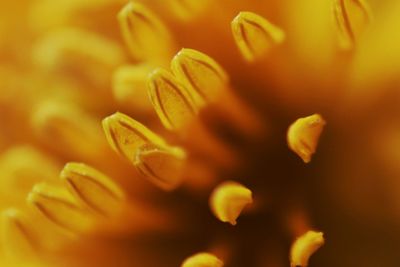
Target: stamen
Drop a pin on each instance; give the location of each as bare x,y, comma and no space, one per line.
126,135
97,191
255,36
171,100
60,207
202,75
129,87
145,34
305,246
352,17
163,167
208,82
202,259
67,129
303,136
228,200
19,239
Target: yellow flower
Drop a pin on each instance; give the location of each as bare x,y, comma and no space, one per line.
176,132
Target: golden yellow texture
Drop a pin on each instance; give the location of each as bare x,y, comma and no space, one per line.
228,200
131,131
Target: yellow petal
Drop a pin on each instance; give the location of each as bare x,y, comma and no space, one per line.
171,100
202,259
163,167
129,87
93,188
228,200
126,135
145,34
303,136
304,247
60,207
254,35
204,78
18,237
352,17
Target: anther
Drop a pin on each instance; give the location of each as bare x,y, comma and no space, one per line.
303,136
228,200
145,34
201,74
171,100
163,167
93,188
254,35
304,247
60,207
126,135
18,237
202,259
351,17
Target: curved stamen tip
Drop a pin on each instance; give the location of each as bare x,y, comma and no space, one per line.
254,35
305,246
303,136
97,191
228,200
171,100
202,259
163,167
126,135
60,207
200,73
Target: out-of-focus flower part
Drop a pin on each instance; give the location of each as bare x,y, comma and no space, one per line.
19,172
352,17
97,191
303,248
188,10
254,35
303,136
202,259
143,32
90,56
129,87
228,200
65,125
19,239
59,206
